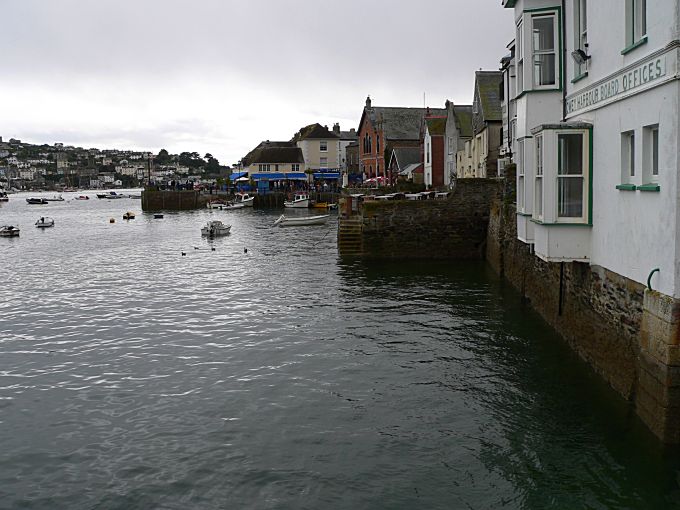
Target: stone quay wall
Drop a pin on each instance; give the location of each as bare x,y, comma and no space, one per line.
166,200
451,228
629,334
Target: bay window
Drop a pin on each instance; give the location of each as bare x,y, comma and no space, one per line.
538,44
563,174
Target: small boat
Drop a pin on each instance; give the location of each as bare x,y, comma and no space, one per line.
82,197
139,196
284,221
158,216
44,222
9,231
217,204
300,200
215,228
36,201
102,195
55,198
236,205
112,195
3,196
129,215
246,199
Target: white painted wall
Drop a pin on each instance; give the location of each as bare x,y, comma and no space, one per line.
427,158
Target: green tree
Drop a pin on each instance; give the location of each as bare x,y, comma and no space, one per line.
163,157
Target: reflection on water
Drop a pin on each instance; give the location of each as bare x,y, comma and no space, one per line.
269,374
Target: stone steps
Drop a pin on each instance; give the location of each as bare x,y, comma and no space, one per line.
350,237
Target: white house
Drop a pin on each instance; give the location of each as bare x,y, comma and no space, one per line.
597,137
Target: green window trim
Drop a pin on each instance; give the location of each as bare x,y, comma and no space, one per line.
630,48
626,187
649,187
584,74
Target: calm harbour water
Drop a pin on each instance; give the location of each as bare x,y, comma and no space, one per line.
132,377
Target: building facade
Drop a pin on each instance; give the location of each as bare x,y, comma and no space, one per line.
598,160
458,131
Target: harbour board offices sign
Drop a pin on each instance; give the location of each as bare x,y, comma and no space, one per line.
645,74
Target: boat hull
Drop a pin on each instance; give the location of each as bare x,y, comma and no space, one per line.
297,204
301,222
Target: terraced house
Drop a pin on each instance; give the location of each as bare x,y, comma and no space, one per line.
597,150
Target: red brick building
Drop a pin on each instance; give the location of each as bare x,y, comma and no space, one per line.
382,129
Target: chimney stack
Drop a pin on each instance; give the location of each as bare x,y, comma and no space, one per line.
336,128
368,101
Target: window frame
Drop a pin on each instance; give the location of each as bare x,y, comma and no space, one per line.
628,166
554,51
521,177
538,178
580,35
650,154
323,146
636,23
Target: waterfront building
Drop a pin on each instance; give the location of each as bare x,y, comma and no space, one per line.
352,173
458,131
597,152
486,123
346,139
382,129
508,110
321,151
275,161
434,129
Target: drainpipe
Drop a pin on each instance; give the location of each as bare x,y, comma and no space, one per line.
564,60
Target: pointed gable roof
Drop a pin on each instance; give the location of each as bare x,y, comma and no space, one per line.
397,123
463,115
314,132
487,95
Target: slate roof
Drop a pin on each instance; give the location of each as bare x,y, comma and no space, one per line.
436,126
398,123
487,87
464,118
314,132
406,156
349,135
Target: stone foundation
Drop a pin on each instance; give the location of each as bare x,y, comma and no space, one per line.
627,333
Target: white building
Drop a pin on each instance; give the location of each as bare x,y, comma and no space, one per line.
597,134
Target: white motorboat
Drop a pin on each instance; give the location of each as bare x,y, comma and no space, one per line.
284,221
55,198
300,200
246,199
3,196
9,231
113,195
217,204
215,228
44,222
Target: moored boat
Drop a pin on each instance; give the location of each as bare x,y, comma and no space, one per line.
9,231
245,199
36,201
215,228
55,198
44,222
300,201
217,204
3,196
129,215
113,195
284,221
82,197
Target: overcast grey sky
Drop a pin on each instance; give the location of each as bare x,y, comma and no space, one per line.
219,76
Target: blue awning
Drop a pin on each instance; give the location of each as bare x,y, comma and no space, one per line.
278,176
237,175
326,175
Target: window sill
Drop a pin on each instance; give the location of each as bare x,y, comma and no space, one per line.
560,224
519,213
649,187
630,48
580,77
626,187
